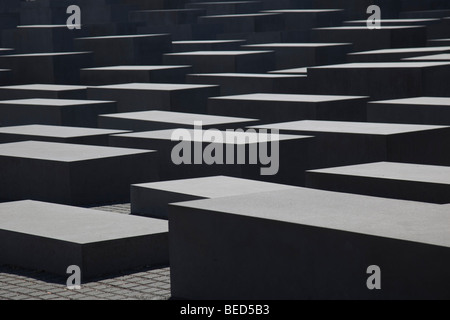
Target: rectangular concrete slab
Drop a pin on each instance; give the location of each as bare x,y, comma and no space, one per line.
131,74
366,39
286,166
62,134
72,173
285,107
225,61
295,55
62,112
345,143
313,245
44,91
161,120
381,80
156,96
386,179
50,237
244,83
418,110
152,199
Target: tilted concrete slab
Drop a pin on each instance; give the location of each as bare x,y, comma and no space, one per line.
153,199
131,74
71,173
50,237
65,112
247,61
244,83
285,107
345,143
45,91
313,245
61,134
418,110
381,80
386,179
156,96
161,120
286,166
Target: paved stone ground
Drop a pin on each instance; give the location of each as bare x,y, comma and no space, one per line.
140,284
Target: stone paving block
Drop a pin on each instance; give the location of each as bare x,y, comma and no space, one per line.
224,61
82,113
418,110
346,143
44,91
285,107
50,237
232,146
386,179
71,173
381,80
60,134
244,83
295,55
364,39
48,68
156,96
162,120
126,49
313,245
131,74
153,199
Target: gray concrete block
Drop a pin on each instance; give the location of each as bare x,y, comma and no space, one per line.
244,83
82,113
386,179
292,165
50,237
345,143
156,96
227,7
48,68
419,110
365,39
392,55
306,19
382,80
131,74
263,247
126,49
166,16
285,107
295,55
224,61
206,45
162,120
249,22
153,199
443,57
72,174
61,134
44,91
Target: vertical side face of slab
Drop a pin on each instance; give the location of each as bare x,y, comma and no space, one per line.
270,259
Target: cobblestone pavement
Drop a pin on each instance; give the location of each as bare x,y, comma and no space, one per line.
139,284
